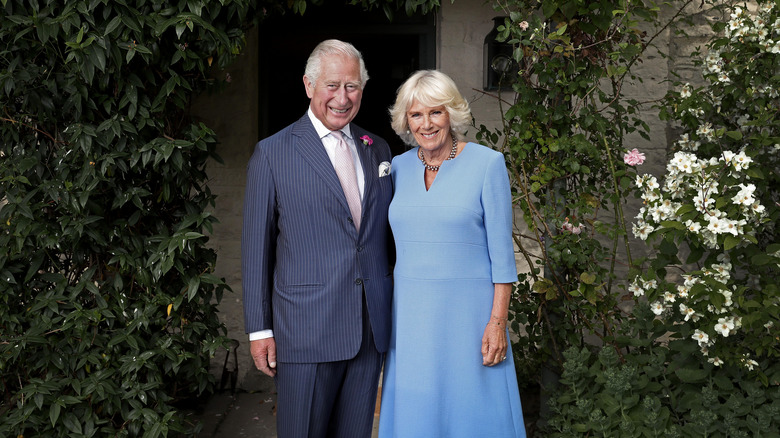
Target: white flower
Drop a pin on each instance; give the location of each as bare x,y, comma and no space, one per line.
706,130
685,92
701,337
682,161
657,308
648,181
717,225
669,297
724,326
702,201
741,161
690,280
727,294
693,227
689,313
649,284
745,194
715,361
650,196
749,363
635,289
642,229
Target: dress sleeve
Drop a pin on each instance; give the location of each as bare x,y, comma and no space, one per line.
497,214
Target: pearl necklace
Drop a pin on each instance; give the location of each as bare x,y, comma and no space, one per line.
436,168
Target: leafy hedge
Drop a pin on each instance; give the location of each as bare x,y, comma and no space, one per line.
107,298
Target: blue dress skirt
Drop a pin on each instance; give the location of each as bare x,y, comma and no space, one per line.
453,242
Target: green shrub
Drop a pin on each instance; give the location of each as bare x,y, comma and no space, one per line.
719,199
107,298
650,388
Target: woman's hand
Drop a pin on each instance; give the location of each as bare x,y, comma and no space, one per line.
494,344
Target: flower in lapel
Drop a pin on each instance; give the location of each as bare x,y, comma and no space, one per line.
367,140
384,168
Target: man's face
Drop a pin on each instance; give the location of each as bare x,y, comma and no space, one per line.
335,99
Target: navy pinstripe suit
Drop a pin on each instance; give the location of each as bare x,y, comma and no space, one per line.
305,267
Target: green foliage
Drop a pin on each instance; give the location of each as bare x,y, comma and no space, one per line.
564,134
107,299
698,354
657,389
409,7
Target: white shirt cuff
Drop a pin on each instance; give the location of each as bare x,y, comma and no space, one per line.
262,334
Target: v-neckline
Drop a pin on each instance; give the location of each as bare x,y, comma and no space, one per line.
441,166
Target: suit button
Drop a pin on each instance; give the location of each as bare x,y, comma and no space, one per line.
360,248
358,281
349,219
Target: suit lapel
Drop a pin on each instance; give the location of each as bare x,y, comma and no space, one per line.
366,161
310,147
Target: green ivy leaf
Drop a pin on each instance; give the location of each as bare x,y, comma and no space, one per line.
691,375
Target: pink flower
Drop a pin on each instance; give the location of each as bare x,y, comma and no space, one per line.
523,25
570,227
634,157
367,140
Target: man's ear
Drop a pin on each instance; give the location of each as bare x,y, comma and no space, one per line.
309,86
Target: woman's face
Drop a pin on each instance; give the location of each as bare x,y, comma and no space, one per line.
429,125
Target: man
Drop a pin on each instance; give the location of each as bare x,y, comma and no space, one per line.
316,270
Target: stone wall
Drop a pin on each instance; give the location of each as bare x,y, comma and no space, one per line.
461,29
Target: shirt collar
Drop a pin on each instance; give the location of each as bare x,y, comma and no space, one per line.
322,131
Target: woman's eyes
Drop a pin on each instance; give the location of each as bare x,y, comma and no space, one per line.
431,114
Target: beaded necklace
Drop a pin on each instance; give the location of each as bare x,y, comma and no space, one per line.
436,168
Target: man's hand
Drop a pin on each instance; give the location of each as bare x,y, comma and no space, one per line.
263,352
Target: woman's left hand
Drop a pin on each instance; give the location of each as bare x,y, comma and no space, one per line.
494,344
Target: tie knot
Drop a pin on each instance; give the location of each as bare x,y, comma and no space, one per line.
338,134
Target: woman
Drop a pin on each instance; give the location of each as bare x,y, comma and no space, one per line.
449,371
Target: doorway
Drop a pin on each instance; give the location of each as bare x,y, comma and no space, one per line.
392,51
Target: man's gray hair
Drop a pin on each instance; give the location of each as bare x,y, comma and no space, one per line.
333,48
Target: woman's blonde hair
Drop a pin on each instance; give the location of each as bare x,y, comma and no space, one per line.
430,88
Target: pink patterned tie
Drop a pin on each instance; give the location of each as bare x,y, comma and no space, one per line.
345,169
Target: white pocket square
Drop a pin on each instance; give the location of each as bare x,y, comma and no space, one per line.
384,168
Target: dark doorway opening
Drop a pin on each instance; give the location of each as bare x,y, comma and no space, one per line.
391,50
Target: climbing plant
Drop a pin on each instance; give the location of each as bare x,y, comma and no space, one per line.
566,129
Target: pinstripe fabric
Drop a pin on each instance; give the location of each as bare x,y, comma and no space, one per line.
304,265
330,399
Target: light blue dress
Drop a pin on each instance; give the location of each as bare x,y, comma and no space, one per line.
452,242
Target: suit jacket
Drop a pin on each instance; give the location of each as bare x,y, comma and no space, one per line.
304,265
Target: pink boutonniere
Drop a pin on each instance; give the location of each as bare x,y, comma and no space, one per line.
367,140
